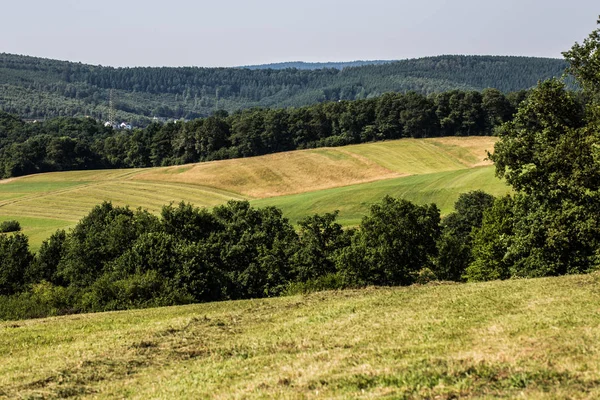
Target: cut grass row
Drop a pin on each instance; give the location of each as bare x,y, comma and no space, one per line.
310,170
536,338
41,215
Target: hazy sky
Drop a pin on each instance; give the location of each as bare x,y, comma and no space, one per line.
235,32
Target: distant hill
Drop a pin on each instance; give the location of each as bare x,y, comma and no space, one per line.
38,88
317,65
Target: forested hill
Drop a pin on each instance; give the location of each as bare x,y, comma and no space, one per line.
38,88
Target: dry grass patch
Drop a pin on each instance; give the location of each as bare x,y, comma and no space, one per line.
277,174
470,150
422,156
311,170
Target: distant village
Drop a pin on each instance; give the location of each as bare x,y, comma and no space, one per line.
122,125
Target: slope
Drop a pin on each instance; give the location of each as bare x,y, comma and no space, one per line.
301,182
537,338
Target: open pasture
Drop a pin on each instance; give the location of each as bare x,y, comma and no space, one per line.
301,182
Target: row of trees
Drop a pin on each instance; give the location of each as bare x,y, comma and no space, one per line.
71,143
116,258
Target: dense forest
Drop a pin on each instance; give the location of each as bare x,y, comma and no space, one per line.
36,88
61,144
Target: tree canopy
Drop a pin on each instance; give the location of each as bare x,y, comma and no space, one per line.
549,154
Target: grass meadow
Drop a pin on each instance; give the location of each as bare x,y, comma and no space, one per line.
302,183
537,338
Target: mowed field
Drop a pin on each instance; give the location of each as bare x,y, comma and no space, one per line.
534,339
302,183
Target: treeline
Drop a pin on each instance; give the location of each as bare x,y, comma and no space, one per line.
82,143
37,88
116,258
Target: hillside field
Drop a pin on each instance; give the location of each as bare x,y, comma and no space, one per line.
302,183
537,338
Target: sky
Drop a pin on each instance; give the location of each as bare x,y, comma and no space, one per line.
235,32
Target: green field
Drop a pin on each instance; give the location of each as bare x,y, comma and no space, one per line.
537,338
353,202
302,183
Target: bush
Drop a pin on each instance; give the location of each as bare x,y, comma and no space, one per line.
396,240
15,260
325,282
138,290
456,242
10,226
42,300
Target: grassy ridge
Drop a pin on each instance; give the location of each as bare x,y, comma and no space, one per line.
309,170
536,338
301,182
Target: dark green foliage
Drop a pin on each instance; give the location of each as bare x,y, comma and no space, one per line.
42,300
554,239
543,151
394,242
100,237
549,154
584,62
255,249
491,243
137,290
320,238
45,265
38,88
116,258
10,226
15,259
455,243
188,223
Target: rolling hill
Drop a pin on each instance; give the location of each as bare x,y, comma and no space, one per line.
528,338
302,183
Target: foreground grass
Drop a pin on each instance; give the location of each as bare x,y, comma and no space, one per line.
523,338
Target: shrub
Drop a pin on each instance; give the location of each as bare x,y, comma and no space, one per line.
138,290
15,260
456,241
42,300
325,282
397,239
10,226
